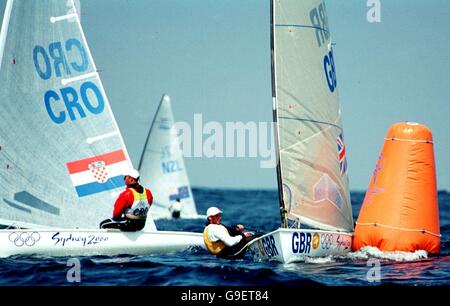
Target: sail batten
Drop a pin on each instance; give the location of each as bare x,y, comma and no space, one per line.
313,166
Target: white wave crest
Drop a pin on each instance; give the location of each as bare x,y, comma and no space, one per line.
373,252
319,260
312,260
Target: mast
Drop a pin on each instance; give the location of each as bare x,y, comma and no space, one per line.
275,117
4,29
149,132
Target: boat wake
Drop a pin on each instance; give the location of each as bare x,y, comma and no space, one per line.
368,252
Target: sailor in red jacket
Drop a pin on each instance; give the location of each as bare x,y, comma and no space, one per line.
132,205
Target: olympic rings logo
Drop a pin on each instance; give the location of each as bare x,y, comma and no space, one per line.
24,238
326,240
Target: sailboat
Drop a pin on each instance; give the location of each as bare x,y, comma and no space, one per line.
315,207
61,152
162,167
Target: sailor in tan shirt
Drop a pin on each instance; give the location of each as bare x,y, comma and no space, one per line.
219,239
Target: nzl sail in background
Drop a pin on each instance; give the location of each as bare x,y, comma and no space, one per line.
61,152
312,168
162,167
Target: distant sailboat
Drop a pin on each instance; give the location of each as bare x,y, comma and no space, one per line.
162,167
61,153
316,213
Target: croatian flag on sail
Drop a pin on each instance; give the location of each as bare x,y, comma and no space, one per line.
99,173
180,193
341,151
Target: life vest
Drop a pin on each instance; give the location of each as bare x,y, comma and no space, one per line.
214,247
139,208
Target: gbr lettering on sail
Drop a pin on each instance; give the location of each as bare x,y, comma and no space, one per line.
319,21
65,59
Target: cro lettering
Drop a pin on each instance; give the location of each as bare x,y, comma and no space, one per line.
60,59
67,103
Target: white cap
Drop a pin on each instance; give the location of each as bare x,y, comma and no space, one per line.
212,211
131,172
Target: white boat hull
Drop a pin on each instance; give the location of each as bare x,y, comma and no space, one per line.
89,242
168,216
291,245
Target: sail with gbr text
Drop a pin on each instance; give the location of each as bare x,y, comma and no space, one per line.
313,166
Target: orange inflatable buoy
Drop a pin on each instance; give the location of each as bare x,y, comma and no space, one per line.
400,210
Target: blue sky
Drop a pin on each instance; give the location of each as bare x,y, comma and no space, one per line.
212,57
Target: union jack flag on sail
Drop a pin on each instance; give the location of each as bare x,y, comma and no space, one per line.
341,152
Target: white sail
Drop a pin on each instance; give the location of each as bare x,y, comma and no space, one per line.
313,168
61,152
162,166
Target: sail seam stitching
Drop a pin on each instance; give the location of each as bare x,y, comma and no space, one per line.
311,120
301,26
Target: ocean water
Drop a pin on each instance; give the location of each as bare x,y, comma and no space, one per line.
257,209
